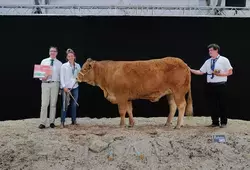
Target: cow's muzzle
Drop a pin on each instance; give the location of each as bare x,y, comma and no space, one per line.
78,80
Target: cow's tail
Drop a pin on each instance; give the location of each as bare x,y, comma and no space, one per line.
189,106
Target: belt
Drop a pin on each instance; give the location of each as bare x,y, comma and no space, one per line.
217,83
50,81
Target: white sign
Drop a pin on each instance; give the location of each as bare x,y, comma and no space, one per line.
219,138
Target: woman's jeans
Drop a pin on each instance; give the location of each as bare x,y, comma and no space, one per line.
72,107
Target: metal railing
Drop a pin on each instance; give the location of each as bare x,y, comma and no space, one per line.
124,10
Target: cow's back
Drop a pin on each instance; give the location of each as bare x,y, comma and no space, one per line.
145,79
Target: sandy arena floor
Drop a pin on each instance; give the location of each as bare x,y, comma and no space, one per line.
87,146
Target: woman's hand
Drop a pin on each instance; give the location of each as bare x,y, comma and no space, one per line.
66,90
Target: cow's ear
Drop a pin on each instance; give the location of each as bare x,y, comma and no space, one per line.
89,60
91,64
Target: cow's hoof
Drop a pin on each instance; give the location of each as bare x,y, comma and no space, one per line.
177,127
131,124
168,124
122,126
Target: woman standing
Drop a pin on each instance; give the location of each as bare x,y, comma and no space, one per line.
68,74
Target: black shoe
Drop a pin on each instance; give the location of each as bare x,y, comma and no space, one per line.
223,125
73,123
41,126
214,125
52,125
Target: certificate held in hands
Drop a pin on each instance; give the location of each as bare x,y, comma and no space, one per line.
40,71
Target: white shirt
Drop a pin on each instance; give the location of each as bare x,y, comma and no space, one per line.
67,78
221,64
55,69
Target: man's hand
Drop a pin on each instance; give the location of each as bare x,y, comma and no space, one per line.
49,73
217,73
227,73
197,72
66,90
45,77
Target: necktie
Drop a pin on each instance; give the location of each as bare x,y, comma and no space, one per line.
51,62
213,66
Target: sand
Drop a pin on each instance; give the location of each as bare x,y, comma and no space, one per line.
147,146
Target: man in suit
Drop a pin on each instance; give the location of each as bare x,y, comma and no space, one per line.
217,68
50,88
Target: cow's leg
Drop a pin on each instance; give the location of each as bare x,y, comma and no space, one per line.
130,113
122,110
172,109
181,104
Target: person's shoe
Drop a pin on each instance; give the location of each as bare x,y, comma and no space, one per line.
223,126
214,125
62,125
52,125
73,123
41,126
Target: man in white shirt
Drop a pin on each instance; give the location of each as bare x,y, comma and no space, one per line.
217,68
50,88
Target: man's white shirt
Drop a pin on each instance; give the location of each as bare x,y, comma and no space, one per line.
67,78
222,64
55,68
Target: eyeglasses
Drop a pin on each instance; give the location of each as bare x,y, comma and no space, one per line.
53,51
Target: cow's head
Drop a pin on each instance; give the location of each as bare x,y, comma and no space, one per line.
87,72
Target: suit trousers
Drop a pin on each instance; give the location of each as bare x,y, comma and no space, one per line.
217,98
49,95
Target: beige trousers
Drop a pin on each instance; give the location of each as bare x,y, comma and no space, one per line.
50,93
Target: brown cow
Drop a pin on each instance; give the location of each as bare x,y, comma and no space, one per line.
124,81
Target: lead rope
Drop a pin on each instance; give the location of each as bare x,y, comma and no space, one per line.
66,101
69,92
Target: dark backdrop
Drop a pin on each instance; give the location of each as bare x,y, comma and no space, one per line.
25,42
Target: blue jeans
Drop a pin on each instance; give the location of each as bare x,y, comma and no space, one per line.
72,107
